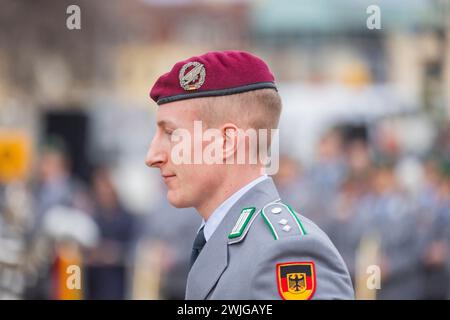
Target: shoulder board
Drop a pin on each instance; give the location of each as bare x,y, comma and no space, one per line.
282,220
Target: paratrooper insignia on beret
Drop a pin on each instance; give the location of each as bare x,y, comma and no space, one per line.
192,78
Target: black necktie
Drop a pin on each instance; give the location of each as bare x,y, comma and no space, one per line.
199,243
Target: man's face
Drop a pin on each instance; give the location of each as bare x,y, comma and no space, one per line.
188,184
52,166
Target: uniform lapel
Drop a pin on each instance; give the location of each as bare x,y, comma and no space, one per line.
213,258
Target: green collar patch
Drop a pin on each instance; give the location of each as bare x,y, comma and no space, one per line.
241,224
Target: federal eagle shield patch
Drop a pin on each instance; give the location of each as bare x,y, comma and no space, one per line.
296,280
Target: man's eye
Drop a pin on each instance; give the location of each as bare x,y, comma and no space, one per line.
168,132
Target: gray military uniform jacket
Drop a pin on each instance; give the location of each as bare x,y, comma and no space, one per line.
264,250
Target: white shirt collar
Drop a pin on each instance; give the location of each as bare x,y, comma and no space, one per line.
217,216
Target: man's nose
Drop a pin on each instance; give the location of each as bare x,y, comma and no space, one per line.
156,157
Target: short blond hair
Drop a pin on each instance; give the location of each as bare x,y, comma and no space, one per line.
257,109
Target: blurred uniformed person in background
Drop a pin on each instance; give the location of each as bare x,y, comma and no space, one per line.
251,245
388,214
174,231
435,227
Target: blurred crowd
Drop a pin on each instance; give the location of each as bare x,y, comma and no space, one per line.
364,195
62,221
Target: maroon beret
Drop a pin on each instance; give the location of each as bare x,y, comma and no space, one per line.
215,73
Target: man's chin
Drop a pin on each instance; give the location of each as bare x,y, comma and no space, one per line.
177,201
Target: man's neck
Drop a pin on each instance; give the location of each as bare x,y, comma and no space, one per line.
228,189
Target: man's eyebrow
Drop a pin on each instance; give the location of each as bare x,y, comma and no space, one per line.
165,123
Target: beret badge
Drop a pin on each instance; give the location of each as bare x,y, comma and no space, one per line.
192,75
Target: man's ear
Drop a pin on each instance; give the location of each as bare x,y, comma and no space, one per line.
230,141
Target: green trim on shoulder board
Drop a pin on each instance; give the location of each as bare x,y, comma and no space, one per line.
269,224
244,218
283,220
300,224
